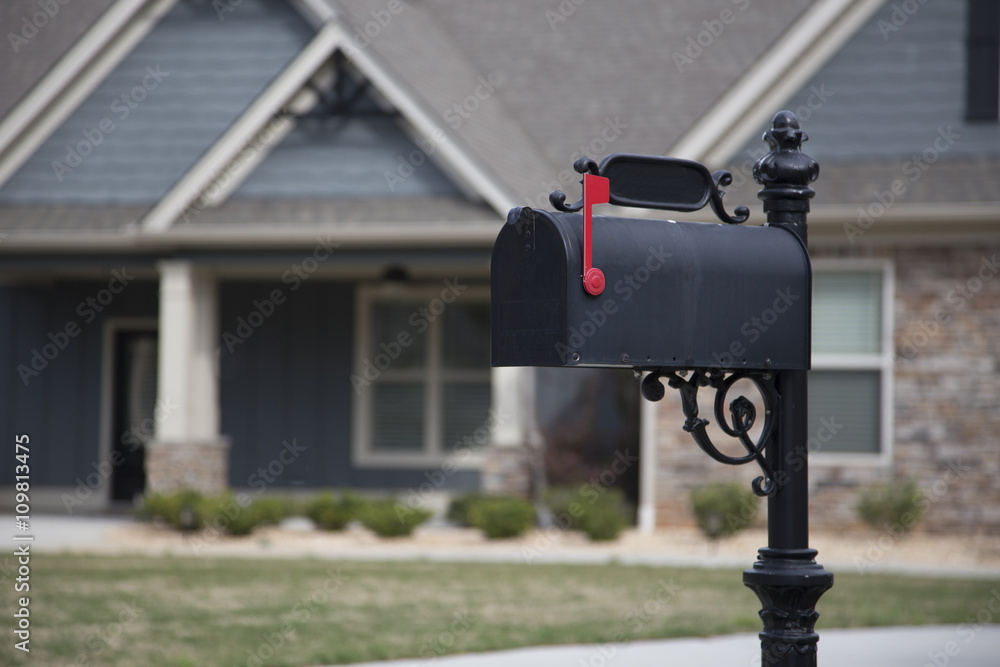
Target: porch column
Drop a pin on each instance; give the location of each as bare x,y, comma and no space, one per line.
647,466
511,464
188,451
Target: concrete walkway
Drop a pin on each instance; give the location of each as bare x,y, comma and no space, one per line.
881,647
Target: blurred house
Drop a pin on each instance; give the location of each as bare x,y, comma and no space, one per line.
246,242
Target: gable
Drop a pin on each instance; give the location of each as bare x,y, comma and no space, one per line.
350,144
165,103
888,106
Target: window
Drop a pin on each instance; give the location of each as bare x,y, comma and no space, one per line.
982,58
850,385
421,372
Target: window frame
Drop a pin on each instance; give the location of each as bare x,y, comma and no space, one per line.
435,451
883,362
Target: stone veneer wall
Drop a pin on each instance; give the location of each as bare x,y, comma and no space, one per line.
202,466
946,431
507,471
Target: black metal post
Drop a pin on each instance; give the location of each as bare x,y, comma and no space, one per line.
786,577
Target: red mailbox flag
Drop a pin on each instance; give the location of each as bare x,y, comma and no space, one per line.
596,190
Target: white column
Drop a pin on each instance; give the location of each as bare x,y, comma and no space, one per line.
510,463
512,394
647,465
188,450
187,374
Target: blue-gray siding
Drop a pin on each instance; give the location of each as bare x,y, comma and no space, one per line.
212,68
365,156
60,407
888,90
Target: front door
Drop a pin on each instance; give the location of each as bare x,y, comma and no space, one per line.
133,410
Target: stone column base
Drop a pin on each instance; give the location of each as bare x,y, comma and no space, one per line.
201,465
507,471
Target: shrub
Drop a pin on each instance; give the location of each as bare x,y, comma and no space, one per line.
190,510
559,498
383,518
331,513
723,509
182,509
270,510
899,503
223,513
458,508
501,516
603,519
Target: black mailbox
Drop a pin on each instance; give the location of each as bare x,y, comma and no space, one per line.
672,295
701,307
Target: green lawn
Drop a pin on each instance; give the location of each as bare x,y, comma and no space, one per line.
88,610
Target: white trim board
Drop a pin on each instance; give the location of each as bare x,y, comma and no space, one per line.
73,78
435,452
785,67
882,362
257,116
284,90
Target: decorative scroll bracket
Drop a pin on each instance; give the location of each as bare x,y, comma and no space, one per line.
742,413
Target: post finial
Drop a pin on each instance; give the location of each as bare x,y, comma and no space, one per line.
786,172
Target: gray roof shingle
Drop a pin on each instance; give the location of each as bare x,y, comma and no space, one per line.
27,61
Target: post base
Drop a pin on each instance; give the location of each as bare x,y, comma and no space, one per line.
201,465
788,582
